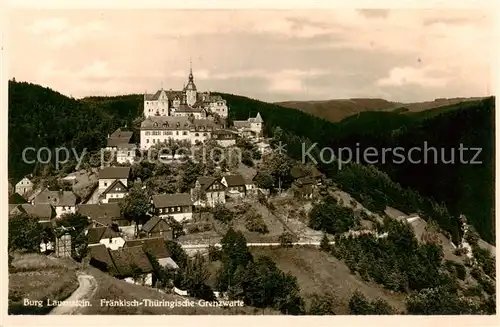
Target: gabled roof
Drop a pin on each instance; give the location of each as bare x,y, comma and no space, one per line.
258,118
119,142
172,200
187,109
234,180
114,173
205,181
95,211
155,245
121,134
151,223
297,172
124,258
96,234
113,188
44,211
101,254
25,179
56,198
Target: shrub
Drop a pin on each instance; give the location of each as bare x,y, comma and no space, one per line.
255,223
286,239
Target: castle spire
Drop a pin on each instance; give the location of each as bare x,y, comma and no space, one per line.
190,69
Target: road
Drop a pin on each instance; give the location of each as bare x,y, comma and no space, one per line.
88,286
205,246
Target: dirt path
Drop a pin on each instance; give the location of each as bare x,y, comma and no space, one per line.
87,288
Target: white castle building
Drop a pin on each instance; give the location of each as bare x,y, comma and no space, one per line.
185,103
158,129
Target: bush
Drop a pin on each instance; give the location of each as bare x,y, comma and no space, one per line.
286,239
255,223
214,254
222,213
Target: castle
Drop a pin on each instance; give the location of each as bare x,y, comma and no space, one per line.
185,103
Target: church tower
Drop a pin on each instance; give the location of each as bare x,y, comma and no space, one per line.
190,88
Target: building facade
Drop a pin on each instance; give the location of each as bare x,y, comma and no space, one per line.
156,130
178,206
180,103
24,186
251,126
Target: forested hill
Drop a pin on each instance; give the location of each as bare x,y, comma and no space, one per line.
464,188
40,117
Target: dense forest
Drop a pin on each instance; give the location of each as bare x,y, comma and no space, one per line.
457,187
40,117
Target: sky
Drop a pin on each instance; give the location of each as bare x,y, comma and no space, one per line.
403,55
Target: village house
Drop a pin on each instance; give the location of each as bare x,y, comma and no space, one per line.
158,227
130,264
208,191
178,206
118,138
64,202
105,235
306,180
125,153
108,175
224,137
103,214
44,212
252,127
235,185
24,186
159,129
156,246
115,191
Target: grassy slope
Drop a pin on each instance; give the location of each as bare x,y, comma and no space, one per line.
318,272
37,277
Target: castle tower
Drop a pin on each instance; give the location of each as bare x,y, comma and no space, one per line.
190,87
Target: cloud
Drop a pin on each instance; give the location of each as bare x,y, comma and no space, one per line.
401,76
58,32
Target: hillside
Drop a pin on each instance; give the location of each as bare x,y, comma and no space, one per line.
464,188
336,110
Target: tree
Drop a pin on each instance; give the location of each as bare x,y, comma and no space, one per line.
222,213
323,304
177,228
136,205
178,254
359,304
25,233
264,180
325,243
286,239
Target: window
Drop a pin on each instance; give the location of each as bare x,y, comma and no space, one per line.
204,134
177,133
178,209
105,184
128,153
154,140
197,134
147,140
155,124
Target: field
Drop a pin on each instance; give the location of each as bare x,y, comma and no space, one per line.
37,277
319,272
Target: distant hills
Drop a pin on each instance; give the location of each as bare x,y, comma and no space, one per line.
336,110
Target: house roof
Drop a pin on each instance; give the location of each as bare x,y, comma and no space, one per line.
172,200
187,109
125,257
241,123
101,253
56,198
171,95
155,245
114,173
206,181
151,223
96,234
102,222
305,181
176,123
258,118
97,211
297,172
112,188
25,179
234,180
118,142
122,134
38,210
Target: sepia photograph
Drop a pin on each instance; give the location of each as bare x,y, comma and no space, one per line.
292,162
